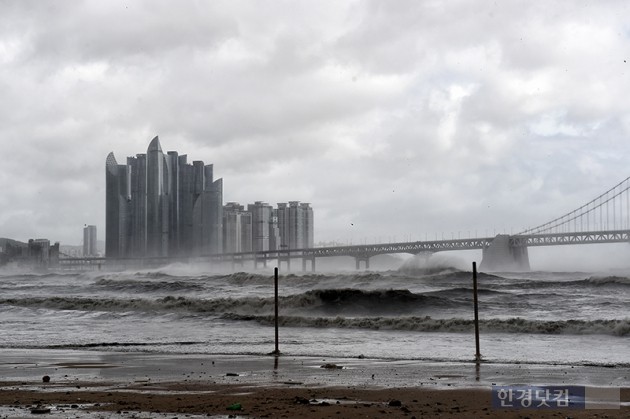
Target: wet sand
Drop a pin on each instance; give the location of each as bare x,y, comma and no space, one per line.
106,384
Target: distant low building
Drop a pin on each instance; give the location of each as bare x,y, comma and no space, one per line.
12,251
37,253
42,254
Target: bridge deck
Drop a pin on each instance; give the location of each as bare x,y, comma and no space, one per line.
369,250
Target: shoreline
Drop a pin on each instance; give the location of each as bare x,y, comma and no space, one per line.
284,386
97,365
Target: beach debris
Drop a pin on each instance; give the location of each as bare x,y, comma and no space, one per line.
302,400
235,406
231,374
46,379
40,410
395,403
332,367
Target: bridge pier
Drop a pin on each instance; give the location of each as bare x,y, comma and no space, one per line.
286,259
365,259
500,256
236,262
260,260
306,259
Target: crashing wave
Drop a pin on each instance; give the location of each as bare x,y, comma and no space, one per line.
456,325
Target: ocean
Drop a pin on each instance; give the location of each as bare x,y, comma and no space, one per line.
554,318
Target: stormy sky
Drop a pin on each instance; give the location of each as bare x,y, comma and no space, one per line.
397,120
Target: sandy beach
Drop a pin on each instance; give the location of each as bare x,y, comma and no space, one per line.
106,384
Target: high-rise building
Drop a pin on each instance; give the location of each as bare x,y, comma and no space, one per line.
308,225
237,228
117,207
159,205
157,194
89,241
282,215
136,228
295,224
261,220
274,231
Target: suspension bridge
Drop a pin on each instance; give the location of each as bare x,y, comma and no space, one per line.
604,219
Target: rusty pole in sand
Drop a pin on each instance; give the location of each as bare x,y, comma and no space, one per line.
478,354
275,275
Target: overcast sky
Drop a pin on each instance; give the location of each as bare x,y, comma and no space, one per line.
396,120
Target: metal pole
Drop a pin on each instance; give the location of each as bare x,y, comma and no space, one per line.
275,275
478,354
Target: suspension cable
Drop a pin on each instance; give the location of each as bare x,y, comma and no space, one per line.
590,208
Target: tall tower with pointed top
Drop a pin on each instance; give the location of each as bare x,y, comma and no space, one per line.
158,185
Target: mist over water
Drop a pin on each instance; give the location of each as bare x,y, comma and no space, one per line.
424,310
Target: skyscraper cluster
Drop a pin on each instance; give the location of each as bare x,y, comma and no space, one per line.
159,205
261,227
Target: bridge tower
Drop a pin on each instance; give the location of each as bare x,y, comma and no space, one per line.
500,256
